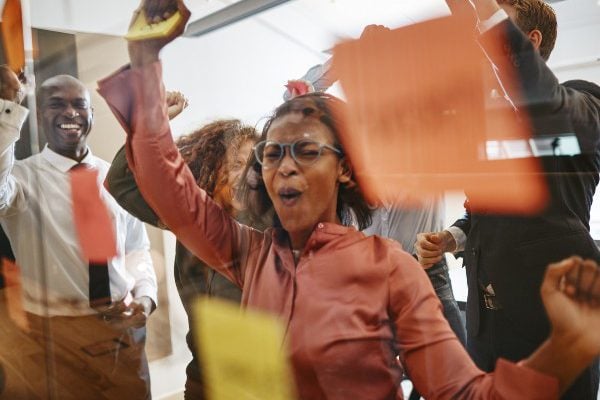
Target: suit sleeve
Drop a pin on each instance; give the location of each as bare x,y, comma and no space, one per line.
121,184
552,108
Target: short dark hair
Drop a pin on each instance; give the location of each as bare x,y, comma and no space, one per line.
351,204
536,14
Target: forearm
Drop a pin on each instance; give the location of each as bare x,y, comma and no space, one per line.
163,177
523,72
139,264
12,117
121,184
561,358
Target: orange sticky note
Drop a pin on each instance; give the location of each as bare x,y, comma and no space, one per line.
13,293
12,35
416,119
92,219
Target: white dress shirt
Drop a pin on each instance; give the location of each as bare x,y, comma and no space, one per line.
36,214
404,218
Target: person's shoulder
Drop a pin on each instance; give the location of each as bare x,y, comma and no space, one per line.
33,161
388,247
581,85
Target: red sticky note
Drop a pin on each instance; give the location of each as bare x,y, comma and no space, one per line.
92,219
418,119
13,293
12,35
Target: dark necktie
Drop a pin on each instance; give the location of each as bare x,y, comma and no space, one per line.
99,281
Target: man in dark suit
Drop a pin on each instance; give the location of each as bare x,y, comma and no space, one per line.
506,256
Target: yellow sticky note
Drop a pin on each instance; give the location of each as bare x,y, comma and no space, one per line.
141,29
241,353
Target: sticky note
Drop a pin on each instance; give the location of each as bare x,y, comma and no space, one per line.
141,29
91,217
13,293
418,120
242,352
12,35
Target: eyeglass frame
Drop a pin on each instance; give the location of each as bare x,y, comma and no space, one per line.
292,153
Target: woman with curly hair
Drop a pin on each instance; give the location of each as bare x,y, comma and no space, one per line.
216,154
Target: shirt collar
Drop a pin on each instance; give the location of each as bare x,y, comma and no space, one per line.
64,164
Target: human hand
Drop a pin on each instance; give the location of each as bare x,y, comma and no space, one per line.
12,87
430,247
142,52
176,103
485,8
571,295
463,8
373,29
134,315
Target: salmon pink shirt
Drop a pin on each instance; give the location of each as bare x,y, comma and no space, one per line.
350,306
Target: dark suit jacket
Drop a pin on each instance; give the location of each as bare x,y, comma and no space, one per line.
513,251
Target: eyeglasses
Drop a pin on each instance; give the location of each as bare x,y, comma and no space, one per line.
304,151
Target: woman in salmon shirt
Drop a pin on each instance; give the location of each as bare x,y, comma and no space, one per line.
350,304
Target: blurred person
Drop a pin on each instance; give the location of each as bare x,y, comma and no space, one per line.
93,348
216,154
506,256
351,304
12,117
402,217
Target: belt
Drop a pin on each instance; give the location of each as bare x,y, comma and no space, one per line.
490,300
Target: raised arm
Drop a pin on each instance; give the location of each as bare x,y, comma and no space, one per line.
122,186
553,108
12,117
120,181
137,97
439,366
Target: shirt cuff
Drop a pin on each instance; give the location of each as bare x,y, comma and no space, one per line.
12,114
492,21
531,384
146,290
459,237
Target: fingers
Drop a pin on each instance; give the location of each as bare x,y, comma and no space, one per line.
159,10
176,98
156,11
123,317
577,278
583,282
176,103
553,279
373,29
428,249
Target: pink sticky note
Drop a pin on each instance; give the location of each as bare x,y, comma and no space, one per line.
92,220
417,123
13,293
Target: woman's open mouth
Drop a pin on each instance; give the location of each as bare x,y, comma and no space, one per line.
289,196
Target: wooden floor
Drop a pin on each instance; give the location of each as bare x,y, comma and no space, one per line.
26,360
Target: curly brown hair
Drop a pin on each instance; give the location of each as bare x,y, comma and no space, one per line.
204,149
536,14
351,204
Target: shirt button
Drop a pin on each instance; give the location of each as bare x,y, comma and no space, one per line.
320,225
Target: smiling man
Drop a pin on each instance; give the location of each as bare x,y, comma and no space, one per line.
59,286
